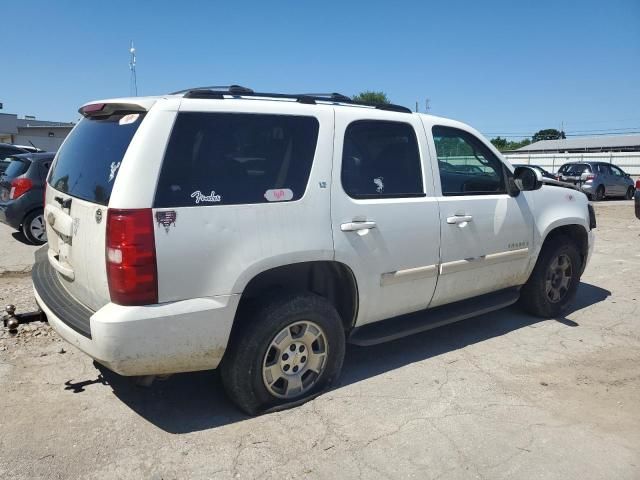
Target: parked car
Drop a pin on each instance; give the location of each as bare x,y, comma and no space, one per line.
22,193
259,232
598,179
544,172
637,199
6,151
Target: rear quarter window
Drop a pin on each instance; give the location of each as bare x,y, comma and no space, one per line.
90,158
236,158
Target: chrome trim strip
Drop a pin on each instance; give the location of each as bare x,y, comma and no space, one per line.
491,259
408,275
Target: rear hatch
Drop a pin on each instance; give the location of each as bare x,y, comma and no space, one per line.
573,173
78,192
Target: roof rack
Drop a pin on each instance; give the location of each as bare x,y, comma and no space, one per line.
219,92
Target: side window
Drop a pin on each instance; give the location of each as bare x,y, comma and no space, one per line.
467,166
616,171
236,158
380,159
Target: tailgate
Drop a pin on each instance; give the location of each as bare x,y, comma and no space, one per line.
77,197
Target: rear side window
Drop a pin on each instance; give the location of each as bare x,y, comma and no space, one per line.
236,158
17,167
89,160
380,159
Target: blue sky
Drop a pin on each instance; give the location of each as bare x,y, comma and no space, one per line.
502,66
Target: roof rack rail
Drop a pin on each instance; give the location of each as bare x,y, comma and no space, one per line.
219,92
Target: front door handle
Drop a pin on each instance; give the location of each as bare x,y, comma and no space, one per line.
355,226
459,219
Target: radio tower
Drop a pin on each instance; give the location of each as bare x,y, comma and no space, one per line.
133,83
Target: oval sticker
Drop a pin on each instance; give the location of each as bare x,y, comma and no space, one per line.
278,195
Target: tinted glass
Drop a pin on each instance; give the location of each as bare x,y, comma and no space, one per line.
236,158
16,168
467,166
617,171
381,159
574,169
89,160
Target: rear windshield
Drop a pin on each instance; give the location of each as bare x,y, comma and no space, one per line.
17,167
575,169
89,160
236,158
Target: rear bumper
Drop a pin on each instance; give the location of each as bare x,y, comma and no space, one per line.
173,337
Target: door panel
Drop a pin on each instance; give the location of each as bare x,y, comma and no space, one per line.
387,236
486,233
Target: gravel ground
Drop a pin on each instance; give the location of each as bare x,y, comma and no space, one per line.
503,395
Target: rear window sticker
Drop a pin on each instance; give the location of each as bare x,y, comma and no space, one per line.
278,195
114,168
127,119
201,197
379,184
166,219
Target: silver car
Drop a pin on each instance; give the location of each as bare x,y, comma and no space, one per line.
598,179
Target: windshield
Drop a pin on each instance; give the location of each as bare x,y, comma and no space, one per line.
89,160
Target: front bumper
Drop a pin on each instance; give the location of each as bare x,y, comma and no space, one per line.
172,337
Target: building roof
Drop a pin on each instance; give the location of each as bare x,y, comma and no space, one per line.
600,143
26,123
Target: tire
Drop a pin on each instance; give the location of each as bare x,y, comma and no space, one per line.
33,228
535,296
252,360
600,193
629,194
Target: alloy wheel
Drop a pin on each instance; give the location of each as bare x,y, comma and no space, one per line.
558,278
295,360
38,229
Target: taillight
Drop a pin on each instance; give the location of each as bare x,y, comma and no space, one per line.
19,186
638,184
590,177
131,257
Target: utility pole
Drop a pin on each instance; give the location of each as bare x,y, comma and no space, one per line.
133,81
427,105
416,106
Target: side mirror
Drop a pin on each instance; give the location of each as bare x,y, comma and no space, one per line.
527,178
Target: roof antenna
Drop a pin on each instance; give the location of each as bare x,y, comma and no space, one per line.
133,82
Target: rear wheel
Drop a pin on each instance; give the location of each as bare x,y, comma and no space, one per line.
33,227
285,352
554,280
600,193
629,194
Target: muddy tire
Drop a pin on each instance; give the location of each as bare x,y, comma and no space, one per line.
283,353
33,228
554,281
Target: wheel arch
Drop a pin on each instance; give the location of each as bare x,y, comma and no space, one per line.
576,232
329,279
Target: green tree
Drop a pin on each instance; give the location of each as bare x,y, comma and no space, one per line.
369,96
505,145
548,134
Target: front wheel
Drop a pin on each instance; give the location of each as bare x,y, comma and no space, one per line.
554,280
629,194
285,352
33,228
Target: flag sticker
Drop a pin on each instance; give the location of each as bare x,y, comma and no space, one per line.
278,195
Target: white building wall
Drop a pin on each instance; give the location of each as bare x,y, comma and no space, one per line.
628,161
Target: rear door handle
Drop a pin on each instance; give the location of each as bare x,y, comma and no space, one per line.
459,219
355,226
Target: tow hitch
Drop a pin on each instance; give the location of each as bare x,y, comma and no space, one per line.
11,319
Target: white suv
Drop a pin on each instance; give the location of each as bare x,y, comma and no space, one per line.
260,232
